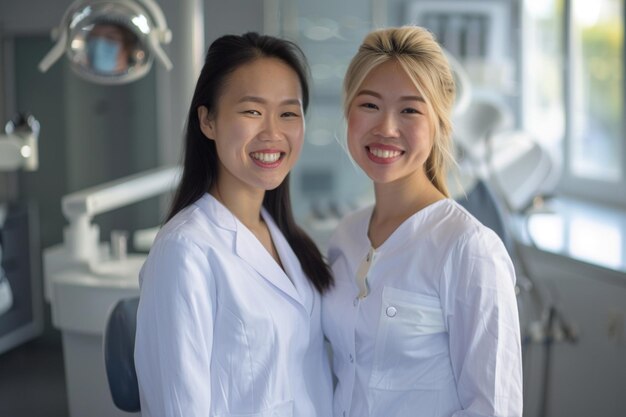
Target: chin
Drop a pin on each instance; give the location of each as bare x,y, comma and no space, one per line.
271,185
376,174
379,178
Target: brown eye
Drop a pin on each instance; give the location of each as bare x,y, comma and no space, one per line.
410,110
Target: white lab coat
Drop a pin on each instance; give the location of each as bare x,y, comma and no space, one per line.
438,334
221,329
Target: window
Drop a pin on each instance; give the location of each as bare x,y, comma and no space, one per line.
476,33
544,111
596,36
574,92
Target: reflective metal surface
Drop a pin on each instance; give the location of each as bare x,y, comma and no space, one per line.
109,42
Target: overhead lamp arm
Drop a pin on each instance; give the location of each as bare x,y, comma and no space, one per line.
56,52
160,36
159,53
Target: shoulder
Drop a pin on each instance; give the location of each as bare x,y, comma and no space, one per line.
452,225
461,238
476,237
453,215
181,251
475,249
185,228
196,226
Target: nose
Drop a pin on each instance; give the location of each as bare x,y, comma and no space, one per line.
387,126
271,129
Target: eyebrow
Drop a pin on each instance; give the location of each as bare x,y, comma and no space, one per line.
403,98
260,100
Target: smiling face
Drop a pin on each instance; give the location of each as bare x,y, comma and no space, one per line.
258,127
390,133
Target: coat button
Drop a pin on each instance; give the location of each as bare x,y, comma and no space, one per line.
351,358
356,301
391,311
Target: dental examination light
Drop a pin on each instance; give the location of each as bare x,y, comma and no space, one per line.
110,41
18,146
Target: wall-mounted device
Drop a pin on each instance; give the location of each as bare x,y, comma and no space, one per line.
18,146
20,295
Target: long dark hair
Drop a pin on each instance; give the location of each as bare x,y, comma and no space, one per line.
200,166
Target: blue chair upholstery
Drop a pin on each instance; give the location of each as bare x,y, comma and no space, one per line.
119,347
481,202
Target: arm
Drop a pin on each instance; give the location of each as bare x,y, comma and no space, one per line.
483,325
175,331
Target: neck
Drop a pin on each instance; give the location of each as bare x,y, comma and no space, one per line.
396,202
244,203
404,196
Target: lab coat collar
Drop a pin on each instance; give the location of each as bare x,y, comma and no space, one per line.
217,212
254,253
291,264
251,251
418,223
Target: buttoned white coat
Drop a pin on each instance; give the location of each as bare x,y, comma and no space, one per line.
222,330
437,334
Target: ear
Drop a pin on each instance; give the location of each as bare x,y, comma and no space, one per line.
207,122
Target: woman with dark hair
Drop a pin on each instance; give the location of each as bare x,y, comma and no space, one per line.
229,313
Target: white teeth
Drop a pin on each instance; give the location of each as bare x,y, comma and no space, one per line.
380,153
264,157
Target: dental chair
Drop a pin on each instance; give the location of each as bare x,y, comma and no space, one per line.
482,204
119,347
507,175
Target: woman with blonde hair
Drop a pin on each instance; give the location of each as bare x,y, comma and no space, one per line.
423,317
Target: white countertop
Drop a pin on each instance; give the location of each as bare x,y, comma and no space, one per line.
580,230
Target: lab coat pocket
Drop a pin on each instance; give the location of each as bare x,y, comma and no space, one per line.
284,409
411,344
